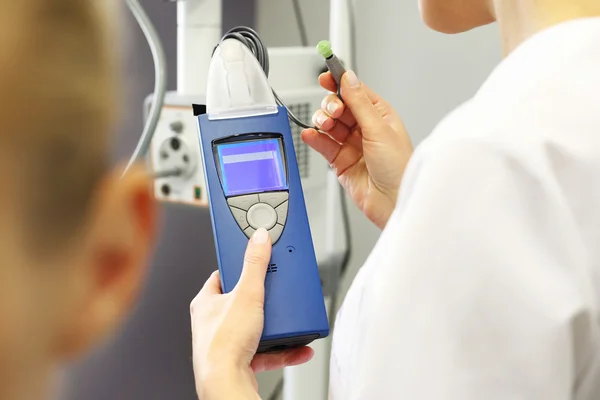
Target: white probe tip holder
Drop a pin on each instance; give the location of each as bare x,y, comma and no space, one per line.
237,86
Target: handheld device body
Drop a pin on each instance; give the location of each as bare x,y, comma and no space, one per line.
253,181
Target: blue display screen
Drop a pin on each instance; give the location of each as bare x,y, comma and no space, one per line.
252,167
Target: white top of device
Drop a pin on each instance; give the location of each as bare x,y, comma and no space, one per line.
237,85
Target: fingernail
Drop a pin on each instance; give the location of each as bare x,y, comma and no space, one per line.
260,236
332,107
319,119
352,79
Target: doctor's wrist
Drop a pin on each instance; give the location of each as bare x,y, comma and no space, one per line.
382,211
227,384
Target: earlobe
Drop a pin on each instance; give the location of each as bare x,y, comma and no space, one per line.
89,329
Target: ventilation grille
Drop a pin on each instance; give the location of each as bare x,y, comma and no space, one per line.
302,112
272,268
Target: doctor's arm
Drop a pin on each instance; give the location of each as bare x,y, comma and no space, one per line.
481,299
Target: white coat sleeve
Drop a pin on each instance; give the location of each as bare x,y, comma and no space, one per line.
476,289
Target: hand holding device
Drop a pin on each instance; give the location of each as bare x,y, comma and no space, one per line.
226,330
366,143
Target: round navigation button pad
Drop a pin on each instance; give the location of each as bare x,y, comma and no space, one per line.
264,210
262,215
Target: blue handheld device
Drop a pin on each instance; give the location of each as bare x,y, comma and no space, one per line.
253,181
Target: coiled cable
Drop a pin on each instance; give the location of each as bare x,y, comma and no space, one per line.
250,38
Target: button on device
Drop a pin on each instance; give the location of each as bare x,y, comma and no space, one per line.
262,215
249,232
282,212
274,198
243,202
276,233
240,217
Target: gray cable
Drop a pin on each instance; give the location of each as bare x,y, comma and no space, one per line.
275,395
300,21
353,34
250,38
345,211
160,85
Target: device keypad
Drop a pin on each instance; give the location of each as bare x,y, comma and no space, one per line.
282,212
265,210
240,217
262,215
249,231
273,199
243,202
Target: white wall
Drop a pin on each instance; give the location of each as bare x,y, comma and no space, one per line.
277,25
422,73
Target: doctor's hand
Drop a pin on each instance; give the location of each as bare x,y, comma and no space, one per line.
366,144
226,330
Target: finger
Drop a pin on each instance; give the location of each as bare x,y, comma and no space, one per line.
256,261
358,101
346,116
213,284
288,358
323,121
339,157
211,287
332,106
338,131
322,144
327,82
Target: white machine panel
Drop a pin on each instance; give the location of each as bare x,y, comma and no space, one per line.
175,146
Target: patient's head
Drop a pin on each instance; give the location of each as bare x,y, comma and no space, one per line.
73,236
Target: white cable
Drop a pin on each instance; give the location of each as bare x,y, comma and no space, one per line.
160,84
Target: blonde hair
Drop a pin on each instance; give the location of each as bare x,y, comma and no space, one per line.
57,94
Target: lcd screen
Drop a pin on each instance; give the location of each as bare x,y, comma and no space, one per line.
252,166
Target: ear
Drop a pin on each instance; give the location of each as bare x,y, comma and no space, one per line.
121,233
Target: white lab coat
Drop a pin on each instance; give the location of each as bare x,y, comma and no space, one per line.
485,284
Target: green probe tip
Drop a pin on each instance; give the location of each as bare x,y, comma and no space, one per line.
324,48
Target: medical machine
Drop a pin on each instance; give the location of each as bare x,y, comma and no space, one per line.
253,182
171,147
